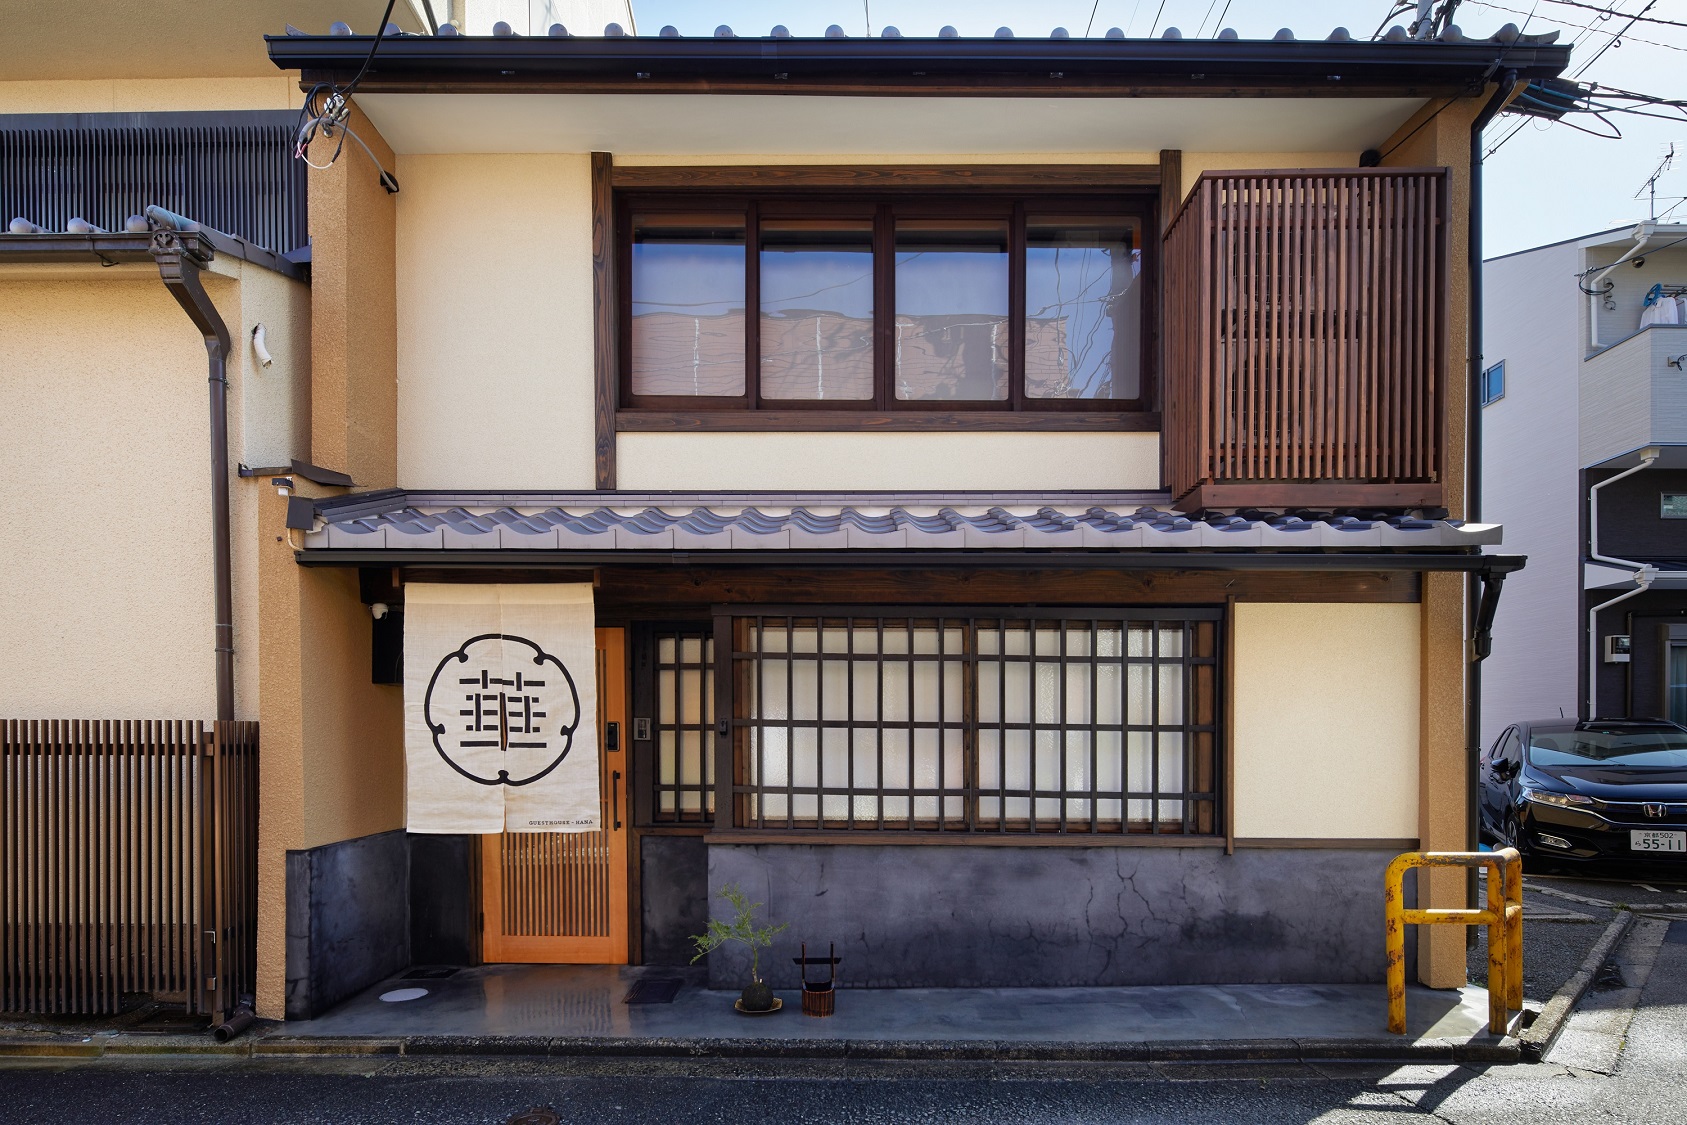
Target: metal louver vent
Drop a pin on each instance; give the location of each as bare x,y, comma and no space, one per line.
233,172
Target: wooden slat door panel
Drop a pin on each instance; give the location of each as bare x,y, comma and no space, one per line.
561,897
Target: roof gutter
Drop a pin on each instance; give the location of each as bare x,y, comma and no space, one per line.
1157,560
180,262
981,66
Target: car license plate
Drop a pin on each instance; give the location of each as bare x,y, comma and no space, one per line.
1654,841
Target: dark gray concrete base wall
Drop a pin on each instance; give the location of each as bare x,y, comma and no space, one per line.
348,919
945,916
443,910
674,884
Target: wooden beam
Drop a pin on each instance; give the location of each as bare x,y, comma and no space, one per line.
688,592
1311,494
1171,186
901,177
605,352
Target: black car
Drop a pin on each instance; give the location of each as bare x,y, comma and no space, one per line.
1611,789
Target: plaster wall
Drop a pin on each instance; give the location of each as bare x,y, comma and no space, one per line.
332,767
1530,482
945,916
150,95
495,322
102,383
1297,776
888,461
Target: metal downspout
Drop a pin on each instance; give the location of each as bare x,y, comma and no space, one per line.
1473,470
179,264
1643,574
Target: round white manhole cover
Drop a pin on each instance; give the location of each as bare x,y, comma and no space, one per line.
398,995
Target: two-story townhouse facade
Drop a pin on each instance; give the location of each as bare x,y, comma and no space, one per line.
1015,484
1585,344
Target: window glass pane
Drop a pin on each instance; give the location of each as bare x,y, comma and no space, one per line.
817,309
688,305
1678,683
951,334
1083,307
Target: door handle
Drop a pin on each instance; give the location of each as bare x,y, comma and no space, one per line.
615,797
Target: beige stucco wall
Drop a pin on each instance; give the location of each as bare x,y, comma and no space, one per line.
495,322
780,461
149,95
107,552
1300,770
333,743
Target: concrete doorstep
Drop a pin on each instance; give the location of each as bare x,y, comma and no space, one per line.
577,1012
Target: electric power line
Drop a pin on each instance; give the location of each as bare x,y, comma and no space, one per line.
1579,26
1609,12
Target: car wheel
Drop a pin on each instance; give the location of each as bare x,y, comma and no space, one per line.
1514,834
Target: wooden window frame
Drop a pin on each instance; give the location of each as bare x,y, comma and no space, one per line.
750,411
1205,807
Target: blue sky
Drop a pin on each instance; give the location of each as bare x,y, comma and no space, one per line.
1545,184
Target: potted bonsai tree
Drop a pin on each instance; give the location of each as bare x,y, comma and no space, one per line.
757,997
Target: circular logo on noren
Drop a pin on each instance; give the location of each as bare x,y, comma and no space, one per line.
502,710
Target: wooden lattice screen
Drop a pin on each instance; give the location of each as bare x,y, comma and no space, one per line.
1306,324
128,864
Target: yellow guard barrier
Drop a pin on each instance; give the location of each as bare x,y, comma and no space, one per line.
1503,917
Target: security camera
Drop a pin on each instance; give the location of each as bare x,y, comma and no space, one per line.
378,610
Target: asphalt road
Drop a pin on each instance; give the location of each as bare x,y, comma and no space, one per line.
1623,1059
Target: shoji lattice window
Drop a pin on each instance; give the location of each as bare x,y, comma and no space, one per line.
1070,722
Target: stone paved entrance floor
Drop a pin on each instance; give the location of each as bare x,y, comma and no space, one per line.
581,1004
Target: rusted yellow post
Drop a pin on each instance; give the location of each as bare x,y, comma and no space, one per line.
1394,940
1513,929
1503,917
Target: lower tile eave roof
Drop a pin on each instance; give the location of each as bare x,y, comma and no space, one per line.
857,521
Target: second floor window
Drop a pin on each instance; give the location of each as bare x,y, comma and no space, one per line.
1493,383
917,304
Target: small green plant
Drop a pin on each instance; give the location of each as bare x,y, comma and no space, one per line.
742,928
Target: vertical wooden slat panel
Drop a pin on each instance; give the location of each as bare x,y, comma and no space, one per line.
116,855
1306,329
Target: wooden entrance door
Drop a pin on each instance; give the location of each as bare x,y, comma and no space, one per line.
561,897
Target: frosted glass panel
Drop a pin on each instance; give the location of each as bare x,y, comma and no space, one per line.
817,309
1072,725
687,330
951,330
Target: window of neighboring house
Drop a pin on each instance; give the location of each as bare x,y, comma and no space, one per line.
1493,383
1672,505
913,304
1071,722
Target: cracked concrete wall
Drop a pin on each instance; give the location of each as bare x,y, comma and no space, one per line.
959,916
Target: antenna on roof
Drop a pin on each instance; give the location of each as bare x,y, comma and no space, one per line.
1650,187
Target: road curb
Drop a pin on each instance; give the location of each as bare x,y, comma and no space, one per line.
1537,1039
1506,1050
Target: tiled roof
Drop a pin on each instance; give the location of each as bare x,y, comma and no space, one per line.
1507,35
779,521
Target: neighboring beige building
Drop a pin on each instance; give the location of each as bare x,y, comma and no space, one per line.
1137,634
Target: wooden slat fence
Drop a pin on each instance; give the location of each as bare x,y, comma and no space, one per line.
128,864
1305,316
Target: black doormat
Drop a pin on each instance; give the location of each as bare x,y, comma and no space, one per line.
429,972
657,990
